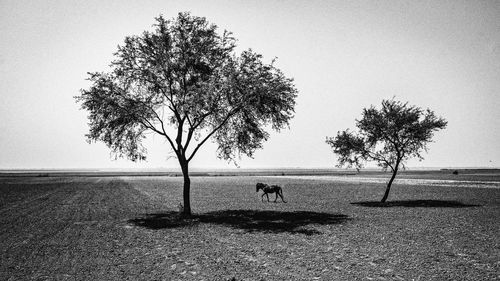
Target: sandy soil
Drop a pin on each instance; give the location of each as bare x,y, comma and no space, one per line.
127,228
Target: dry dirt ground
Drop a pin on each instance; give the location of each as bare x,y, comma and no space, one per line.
127,228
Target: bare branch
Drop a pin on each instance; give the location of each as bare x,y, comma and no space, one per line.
222,123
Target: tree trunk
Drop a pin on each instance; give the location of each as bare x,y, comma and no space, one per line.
187,187
394,172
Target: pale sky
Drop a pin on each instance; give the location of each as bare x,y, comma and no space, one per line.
343,55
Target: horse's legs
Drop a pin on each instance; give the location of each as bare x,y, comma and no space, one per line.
282,199
276,197
267,197
263,197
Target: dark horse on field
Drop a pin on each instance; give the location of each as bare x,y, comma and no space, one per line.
270,189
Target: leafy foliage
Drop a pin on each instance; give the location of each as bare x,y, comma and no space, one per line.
184,75
388,136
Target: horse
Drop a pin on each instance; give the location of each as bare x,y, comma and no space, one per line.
270,189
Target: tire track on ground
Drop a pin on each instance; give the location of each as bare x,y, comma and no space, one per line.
53,233
39,217
26,201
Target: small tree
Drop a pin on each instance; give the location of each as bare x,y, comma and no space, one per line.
184,82
388,136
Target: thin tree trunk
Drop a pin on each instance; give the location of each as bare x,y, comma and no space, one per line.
187,187
388,188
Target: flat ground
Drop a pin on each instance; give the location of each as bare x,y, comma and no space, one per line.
127,228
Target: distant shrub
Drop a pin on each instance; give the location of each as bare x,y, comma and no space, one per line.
455,172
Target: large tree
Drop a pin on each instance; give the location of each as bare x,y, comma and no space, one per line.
184,82
389,136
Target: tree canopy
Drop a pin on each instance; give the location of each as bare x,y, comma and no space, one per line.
184,82
388,136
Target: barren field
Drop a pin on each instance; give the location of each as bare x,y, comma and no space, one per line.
127,228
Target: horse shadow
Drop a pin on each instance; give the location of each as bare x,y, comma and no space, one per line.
248,220
416,204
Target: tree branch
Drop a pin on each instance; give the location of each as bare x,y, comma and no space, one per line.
230,114
379,158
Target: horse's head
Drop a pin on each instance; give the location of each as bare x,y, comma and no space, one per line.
259,186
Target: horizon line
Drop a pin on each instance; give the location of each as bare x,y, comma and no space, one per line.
198,169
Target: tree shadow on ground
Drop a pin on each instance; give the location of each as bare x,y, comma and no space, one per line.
415,203
247,220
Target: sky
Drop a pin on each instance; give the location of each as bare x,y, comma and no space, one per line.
343,56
